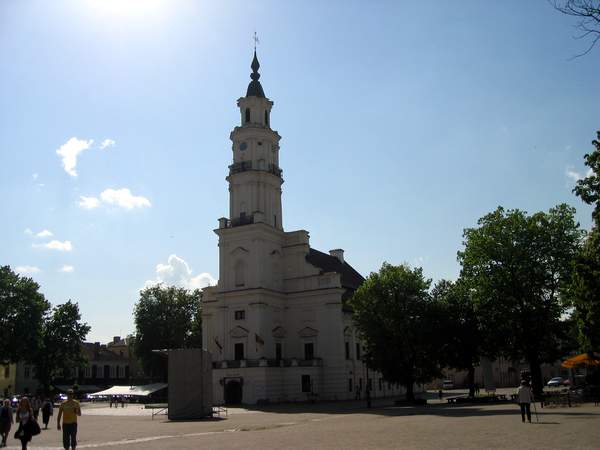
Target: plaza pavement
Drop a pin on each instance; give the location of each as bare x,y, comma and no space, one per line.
342,425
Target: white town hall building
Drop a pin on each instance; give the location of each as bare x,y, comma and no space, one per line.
276,323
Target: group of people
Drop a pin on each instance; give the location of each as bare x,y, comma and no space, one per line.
26,416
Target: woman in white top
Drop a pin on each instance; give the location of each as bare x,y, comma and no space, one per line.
24,417
525,398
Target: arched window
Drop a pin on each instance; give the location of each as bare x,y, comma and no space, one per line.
247,115
239,273
266,118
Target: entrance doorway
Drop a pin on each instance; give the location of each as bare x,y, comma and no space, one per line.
233,392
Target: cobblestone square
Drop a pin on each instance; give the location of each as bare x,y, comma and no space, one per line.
344,425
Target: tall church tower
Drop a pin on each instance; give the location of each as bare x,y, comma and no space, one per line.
255,177
276,324
253,233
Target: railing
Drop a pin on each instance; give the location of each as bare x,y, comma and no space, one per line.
275,170
242,220
244,166
264,362
240,167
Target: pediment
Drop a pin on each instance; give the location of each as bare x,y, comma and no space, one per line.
239,251
308,332
238,332
278,332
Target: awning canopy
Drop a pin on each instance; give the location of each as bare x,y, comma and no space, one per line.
132,391
585,359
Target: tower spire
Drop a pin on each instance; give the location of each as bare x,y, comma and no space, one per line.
254,88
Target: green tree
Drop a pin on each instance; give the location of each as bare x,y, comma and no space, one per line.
588,188
22,310
585,286
166,318
517,266
465,341
60,353
398,324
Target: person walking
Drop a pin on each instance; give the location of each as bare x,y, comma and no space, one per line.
525,397
68,412
28,427
47,410
6,421
36,404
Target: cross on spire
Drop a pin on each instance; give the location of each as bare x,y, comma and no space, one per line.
256,41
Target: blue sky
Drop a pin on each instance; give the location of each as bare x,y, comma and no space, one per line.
402,123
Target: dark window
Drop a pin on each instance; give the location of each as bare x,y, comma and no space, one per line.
267,118
347,350
278,352
306,384
240,315
239,351
381,384
369,384
27,372
94,371
360,384
349,384
107,371
309,350
357,351
126,371
247,115
274,220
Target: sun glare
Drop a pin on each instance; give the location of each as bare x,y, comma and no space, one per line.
127,8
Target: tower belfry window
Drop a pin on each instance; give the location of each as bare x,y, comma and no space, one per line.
267,118
247,116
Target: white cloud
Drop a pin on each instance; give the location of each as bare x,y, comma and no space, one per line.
28,231
124,199
44,233
66,269
88,202
65,246
576,176
107,143
35,176
121,198
69,152
177,272
26,270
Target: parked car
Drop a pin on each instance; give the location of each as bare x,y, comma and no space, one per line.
557,382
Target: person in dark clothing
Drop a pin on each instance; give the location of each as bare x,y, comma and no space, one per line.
47,410
6,421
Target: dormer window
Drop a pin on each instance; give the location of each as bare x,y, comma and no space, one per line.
247,116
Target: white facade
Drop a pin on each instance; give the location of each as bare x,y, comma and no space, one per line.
275,323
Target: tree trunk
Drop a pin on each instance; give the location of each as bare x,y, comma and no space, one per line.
536,377
471,380
410,394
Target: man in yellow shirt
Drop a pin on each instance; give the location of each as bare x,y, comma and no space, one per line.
68,411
